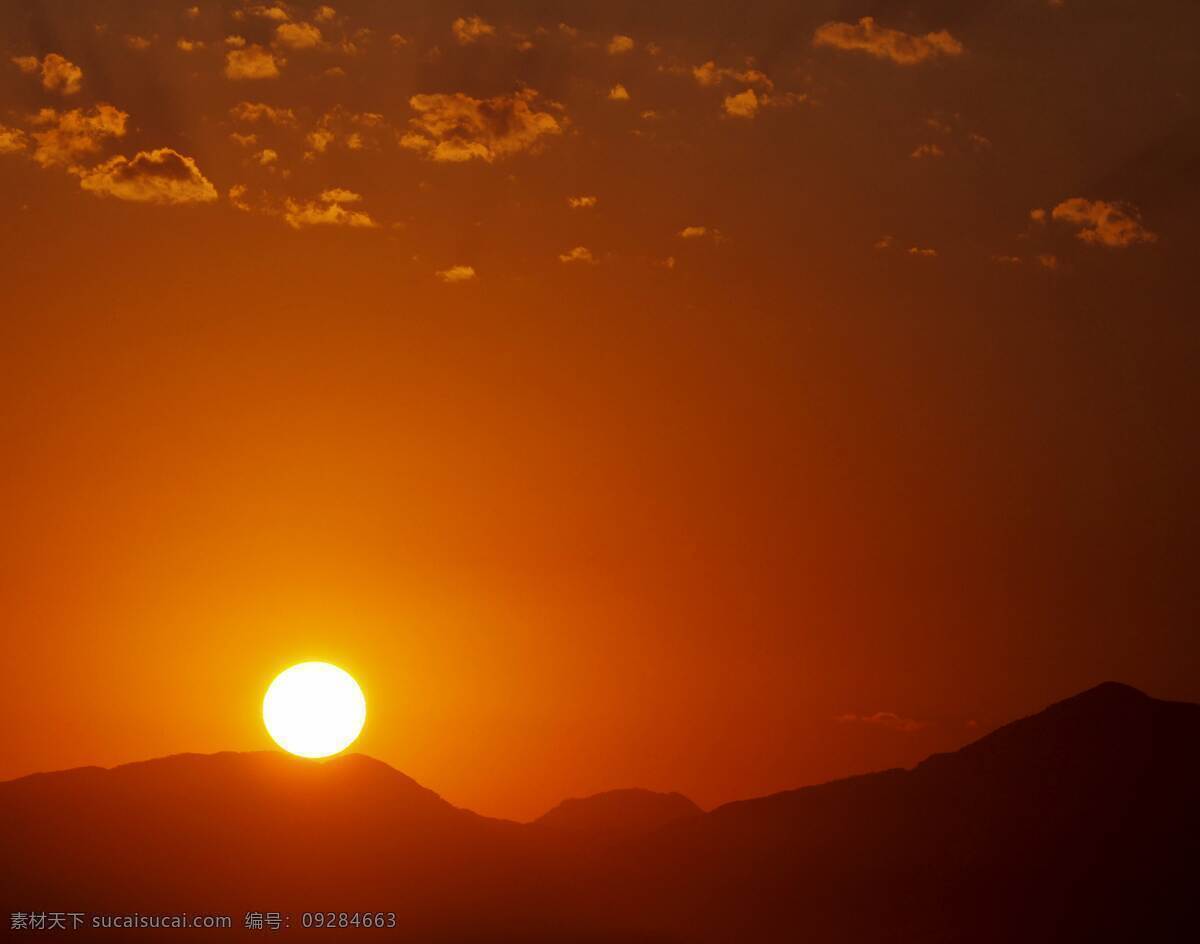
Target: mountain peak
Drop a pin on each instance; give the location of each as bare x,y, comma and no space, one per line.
1109,692
1069,734
618,814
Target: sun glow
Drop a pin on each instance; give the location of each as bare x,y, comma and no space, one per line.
314,709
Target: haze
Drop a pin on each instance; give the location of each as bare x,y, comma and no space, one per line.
671,395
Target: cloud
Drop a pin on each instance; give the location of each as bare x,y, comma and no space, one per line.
70,135
920,252
12,140
619,45
237,197
58,74
455,274
1101,223
581,203
742,105
456,127
319,140
139,43
324,14
61,75
266,156
298,35
252,112
252,62
470,29
578,254
189,45
355,131
235,42
163,176
694,232
883,719
904,49
746,104
264,12
618,93
1047,260
708,74
329,209
1006,260
927,150
339,195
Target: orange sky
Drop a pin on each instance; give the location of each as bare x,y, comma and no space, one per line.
853,415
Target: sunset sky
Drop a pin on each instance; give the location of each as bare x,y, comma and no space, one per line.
690,395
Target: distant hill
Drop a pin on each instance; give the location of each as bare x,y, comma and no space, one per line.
618,814
1080,823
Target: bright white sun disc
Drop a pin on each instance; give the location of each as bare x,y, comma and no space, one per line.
314,709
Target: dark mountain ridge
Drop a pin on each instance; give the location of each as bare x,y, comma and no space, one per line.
618,814
1077,823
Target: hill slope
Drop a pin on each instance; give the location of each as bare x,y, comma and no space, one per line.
1079,823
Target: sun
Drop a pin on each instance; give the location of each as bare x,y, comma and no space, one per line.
314,709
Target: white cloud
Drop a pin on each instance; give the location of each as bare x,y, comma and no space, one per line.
273,12
71,135
298,35
237,197
12,140
578,254
252,62
619,45
742,105
1102,223
455,274
251,112
708,74
470,29
456,127
329,209
896,46
161,176
58,73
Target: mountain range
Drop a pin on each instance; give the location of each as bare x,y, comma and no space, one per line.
1079,823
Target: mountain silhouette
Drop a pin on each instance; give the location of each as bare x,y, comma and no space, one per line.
1080,823
618,814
